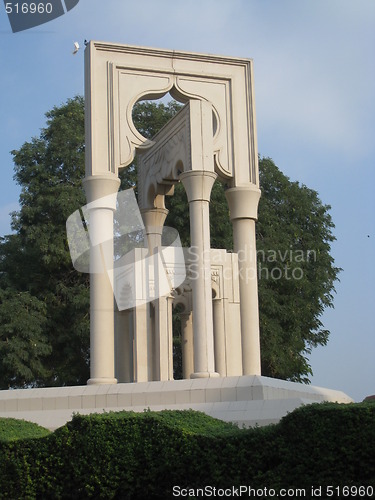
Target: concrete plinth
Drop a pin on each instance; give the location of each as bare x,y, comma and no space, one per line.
246,400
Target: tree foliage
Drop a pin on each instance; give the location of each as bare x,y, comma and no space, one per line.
296,273
44,302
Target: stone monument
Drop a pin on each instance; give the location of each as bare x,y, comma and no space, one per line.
212,137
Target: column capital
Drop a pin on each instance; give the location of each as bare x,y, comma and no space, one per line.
198,184
243,202
101,187
154,218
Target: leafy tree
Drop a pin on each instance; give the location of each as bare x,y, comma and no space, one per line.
296,273
44,302
148,117
23,344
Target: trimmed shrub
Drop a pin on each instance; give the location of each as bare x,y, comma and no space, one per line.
329,444
12,429
128,455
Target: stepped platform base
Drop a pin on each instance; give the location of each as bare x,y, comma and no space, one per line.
247,401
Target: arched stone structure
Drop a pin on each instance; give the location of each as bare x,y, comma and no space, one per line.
214,135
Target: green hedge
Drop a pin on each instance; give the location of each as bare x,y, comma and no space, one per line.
127,455
12,429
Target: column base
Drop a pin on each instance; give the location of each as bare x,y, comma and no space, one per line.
205,375
102,381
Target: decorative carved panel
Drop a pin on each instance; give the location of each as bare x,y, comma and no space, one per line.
117,76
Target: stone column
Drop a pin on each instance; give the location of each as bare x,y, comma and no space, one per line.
187,343
101,196
219,336
142,328
154,219
163,362
243,205
169,302
198,185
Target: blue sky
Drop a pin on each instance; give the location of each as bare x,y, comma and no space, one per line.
314,66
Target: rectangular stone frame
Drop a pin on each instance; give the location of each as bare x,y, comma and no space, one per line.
116,77
126,74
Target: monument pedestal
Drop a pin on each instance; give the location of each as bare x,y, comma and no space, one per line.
246,400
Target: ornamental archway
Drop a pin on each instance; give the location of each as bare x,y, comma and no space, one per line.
220,139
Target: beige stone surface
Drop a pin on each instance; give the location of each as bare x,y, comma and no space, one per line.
117,76
246,400
214,135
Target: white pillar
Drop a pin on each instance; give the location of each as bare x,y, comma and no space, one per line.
154,219
169,301
198,185
101,195
142,354
163,366
219,336
243,205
